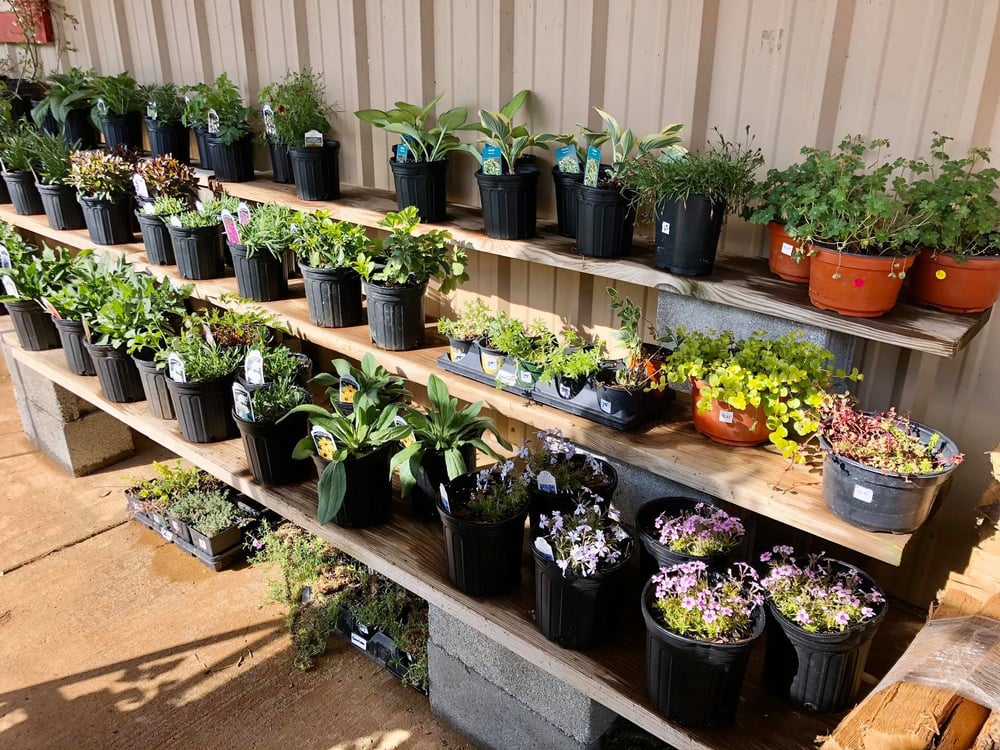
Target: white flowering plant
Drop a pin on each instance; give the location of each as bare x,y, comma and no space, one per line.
818,595
499,492
702,532
571,468
587,541
712,607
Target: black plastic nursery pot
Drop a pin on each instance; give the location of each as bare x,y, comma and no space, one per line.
169,138
4,193
510,202
687,234
316,171
261,277
201,137
333,296
197,251
156,238
656,555
73,337
232,162
694,683
617,400
154,385
566,200
123,130
577,612
269,447
431,475
396,316
204,409
62,209
281,164
819,672
218,544
34,326
422,184
458,348
483,558
23,193
368,500
117,374
605,222
565,502
108,222
78,127
876,500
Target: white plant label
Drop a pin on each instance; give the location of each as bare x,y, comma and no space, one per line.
175,221
5,258
9,286
199,206
149,208
102,108
203,544
139,182
267,112
491,364
665,227
175,368
359,642
543,546
313,139
506,377
444,499
243,214
241,403
151,110
527,378
254,367
547,482
864,494
361,626
213,122
323,440
565,391
726,417
605,405
786,248
166,533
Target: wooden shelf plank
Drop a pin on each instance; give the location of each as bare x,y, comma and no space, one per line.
411,552
745,283
753,478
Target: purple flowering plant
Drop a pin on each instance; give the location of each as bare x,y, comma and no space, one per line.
572,469
587,541
815,595
705,531
498,493
716,608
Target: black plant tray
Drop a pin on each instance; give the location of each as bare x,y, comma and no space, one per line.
584,404
217,563
378,645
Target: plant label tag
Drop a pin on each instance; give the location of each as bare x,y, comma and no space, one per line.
565,391
568,161
139,182
665,227
51,308
148,208
348,390
409,439
175,368
543,546
726,416
506,377
209,337
175,221
492,159
306,595
203,544
402,152
358,641
199,206
323,440
444,498
213,122
456,354
786,248
253,367
313,139
229,225
151,110
362,628
5,258
9,286
243,214
605,405
491,363
267,112
547,483
242,403
592,170
102,108
864,494
166,533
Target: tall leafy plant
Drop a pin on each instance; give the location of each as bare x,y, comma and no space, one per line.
120,95
323,242
498,129
298,102
65,92
411,259
426,142
625,146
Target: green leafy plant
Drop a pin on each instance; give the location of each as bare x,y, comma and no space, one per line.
208,511
52,159
17,149
276,399
625,147
169,483
120,94
65,92
499,130
98,174
298,102
376,385
36,274
532,344
410,121
269,230
165,100
210,213
169,205
240,329
469,324
728,605
640,366
444,428
88,285
165,176
323,242
234,117
196,105
573,359
139,310
202,361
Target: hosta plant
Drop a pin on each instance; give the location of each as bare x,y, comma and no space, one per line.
626,147
426,143
587,541
498,129
704,531
98,174
694,603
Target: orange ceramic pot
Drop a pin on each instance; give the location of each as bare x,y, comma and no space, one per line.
780,259
944,283
858,286
723,424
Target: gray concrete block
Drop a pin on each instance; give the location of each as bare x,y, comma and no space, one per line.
636,486
490,717
53,399
560,705
82,446
24,412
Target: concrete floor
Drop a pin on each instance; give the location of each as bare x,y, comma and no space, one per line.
112,638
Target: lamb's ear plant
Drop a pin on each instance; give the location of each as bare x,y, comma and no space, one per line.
426,143
498,129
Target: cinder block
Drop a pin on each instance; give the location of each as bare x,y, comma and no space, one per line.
24,412
43,394
637,486
554,703
82,446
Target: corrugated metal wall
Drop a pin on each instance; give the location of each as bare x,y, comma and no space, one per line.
799,73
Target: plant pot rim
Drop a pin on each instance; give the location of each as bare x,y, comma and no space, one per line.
55,186
347,270
328,144
825,445
645,519
652,622
148,217
483,343
94,200
949,259
208,381
822,248
520,513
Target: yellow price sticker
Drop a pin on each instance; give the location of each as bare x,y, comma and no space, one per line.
941,274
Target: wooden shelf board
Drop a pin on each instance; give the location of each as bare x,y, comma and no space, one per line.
753,478
745,283
411,552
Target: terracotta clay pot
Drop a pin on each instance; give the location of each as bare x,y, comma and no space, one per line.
780,259
727,425
858,286
944,283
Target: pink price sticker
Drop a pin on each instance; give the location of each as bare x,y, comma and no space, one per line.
229,225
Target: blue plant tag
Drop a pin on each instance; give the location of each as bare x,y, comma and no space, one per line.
543,546
492,159
592,170
568,161
547,483
402,152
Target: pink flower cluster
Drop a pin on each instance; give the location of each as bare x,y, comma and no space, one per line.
702,532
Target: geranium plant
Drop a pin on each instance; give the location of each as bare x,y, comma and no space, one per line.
702,532
587,541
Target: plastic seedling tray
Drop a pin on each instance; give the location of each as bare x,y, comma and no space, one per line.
215,562
217,545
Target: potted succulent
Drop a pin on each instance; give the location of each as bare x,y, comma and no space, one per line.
441,447
572,365
825,614
748,391
195,118
368,384
466,328
778,201
153,225
580,561
330,253
117,109
196,237
68,99
230,140
25,283
958,269
19,159
691,196
677,530
103,181
700,630
605,205
164,122
258,257
52,172
420,169
483,515
213,520
396,291
352,454
508,186
881,471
